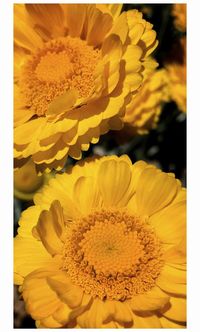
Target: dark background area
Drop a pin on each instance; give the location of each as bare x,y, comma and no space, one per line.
164,146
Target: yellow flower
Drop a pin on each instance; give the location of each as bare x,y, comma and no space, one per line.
179,12
143,112
104,246
27,181
76,69
177,79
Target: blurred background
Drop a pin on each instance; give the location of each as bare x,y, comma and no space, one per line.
164,146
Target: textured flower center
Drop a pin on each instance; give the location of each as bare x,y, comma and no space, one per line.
54,67
110,249
61,64
112,255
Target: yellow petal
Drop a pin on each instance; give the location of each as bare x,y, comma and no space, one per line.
98,25
166,323
176,254
48,16
151,300
115,9
85,305
71,11
65,290
120,27
173,280
154,191
62,314
122,312
95,316
149,321
151,48
62,126
48,322
58,151
136,33
112,51
29,254
28,220
21,116
63,103
177,309
19,59
58,188
86,194
114,179
40,300
170,223
28,131
149,37
133,65
24,35
50,227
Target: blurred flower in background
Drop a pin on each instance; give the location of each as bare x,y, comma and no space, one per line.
104,247
27,181
179,13
177,76
143,112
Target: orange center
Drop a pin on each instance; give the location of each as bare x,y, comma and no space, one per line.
54,67
112,254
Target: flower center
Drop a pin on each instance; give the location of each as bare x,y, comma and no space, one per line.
61,64
110,249
54,67
112,255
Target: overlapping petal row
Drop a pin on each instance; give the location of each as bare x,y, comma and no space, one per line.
73,273
74,78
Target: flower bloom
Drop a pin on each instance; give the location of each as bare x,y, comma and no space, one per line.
177,79
143,112
179,13
77,67
104,247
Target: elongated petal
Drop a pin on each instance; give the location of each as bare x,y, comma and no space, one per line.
24,36
29,254
177,310
66,291
114,181
151,300
50,227
48,16
155,190
170,223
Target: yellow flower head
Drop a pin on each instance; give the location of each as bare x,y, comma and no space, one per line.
179,13
143,112
177,79
104,246
76,69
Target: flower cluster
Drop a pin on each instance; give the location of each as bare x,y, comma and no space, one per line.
102,243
